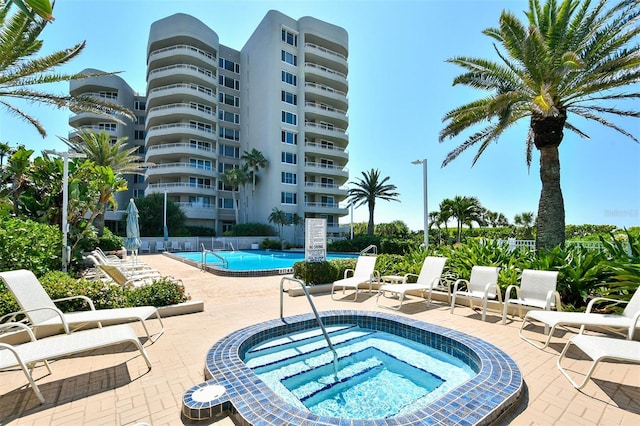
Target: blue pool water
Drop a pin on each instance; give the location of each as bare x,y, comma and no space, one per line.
252,260
299,368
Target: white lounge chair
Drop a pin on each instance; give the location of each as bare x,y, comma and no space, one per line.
537,290
428,281
160,246
25,355
600,348
364,273
626,322
42,311
482,285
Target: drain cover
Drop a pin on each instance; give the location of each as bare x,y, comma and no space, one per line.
208,393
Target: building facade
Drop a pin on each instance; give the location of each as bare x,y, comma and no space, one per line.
284,94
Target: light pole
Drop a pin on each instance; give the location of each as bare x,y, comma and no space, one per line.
426,204
66,251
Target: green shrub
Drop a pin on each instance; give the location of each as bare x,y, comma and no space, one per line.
251,229
312,273
161,292
342,265
25,244
268,244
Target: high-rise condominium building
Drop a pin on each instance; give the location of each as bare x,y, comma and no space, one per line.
284,94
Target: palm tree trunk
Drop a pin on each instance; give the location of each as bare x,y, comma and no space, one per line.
370,225
551,218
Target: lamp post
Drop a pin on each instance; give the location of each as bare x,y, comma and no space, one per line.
66,251
426,205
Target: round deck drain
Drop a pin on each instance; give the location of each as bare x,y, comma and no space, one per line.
208,393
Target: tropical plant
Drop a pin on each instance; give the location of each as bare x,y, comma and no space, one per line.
26,244
5,150
465,210
279,218
17,172
298,222
525,220
235,178
254,161
21,72
369,188
568,57
151,216
43,8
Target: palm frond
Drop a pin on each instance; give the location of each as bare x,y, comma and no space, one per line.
24,116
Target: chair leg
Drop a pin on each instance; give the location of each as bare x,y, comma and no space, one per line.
565,374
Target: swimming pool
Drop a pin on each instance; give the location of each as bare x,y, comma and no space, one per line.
250,262
233,387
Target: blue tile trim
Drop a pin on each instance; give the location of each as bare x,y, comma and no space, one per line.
496,387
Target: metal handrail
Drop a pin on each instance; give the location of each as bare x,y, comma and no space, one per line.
315,312
368,248
205,251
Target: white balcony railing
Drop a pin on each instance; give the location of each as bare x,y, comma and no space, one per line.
325,50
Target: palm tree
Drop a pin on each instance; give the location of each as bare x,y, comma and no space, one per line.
17,170
255,161
279,218
5,150
99,149
368,189
43,8
466,210
235,178
297,221
21,72
526,220
566,58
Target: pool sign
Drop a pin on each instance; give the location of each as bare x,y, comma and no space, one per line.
315,240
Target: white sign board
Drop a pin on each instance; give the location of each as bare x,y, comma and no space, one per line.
315,240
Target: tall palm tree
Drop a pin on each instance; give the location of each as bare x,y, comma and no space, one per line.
526,220
567,57
235,178
21,72
466,210
279,218
99,149
297,221
255,161
369,188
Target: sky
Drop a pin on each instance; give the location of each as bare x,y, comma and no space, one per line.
400,88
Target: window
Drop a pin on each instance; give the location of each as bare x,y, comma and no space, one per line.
227,226
289,78
229,65
108,126
230,134
224,98
138,193
223,187
228,116
108,95
199,182
289,178
196,201
229,151
226,166
289,58
140,105
139,134
289,158
289,37
288,198
194,143
229,82
289,118
205,127
288,137
140,119
138,178
289,97
327,201
200,164
200,107
225,203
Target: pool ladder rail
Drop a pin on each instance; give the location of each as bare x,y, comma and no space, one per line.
370,248
225,263
315,313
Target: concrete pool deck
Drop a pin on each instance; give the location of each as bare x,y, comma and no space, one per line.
112,387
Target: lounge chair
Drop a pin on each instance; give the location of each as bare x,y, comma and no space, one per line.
25,355
626,322
145,247
537,290
134,280
188,246
599,348
428,281
175,246
42,311
160,246
364,273
482,285
128,268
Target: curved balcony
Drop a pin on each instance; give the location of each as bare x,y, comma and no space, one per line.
328,76
325,169
182,53
179,73
177,149
85,119
326,150
169,170
197,210
176,93
180,188
156,134
180,112
325,131
316,111
325,188
112,131
323,92
318,207
323,56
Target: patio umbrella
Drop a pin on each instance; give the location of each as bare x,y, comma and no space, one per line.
132,242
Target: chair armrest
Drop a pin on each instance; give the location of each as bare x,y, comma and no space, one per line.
633,325
85,298
12,315
375,274
458,282
600,299
551,294
23,327
346,271
507,295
